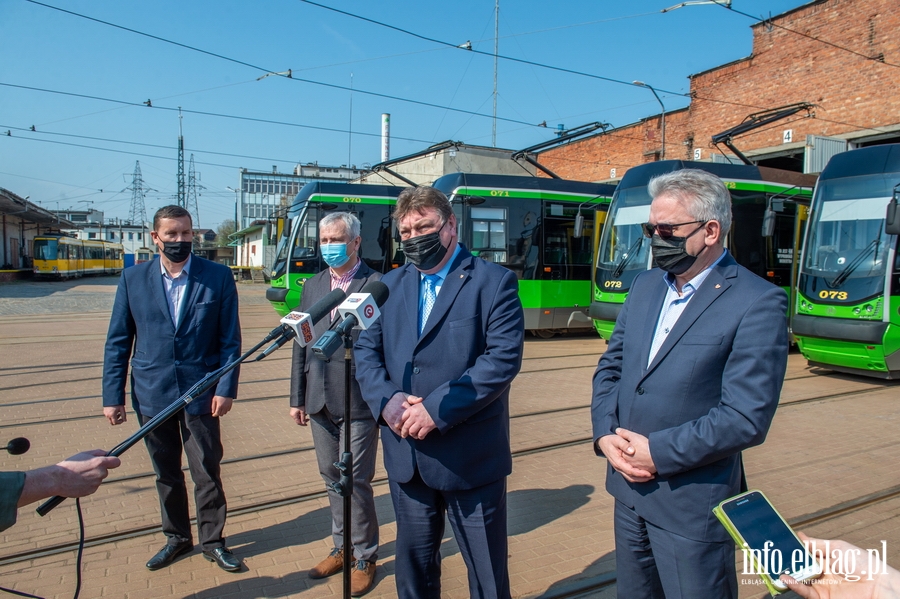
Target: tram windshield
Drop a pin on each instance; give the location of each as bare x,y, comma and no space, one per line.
296,246
846,235
45,249
624,251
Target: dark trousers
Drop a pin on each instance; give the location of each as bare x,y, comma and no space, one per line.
652,563
201,438
478,519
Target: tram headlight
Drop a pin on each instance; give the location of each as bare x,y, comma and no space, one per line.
869,308
856,311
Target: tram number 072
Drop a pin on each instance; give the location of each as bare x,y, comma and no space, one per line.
612,284
838,295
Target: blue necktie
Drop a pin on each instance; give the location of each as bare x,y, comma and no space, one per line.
428,297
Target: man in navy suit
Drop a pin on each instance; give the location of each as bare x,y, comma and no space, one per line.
691,377
180,316
317,396
435,370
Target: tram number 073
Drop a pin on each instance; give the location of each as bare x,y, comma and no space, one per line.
838,295
612,284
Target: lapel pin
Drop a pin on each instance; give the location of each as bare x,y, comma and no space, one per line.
717,286
460,276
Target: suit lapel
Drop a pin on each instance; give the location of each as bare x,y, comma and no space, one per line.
157,289
409,291
191,292
714,286
649,318
450,288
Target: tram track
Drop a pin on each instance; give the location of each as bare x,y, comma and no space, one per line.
299,498
587,587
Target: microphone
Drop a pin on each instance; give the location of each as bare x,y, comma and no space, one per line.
300,325
362,309
18,446
358,309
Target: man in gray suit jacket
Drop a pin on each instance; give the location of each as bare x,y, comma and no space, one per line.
691,377
317,396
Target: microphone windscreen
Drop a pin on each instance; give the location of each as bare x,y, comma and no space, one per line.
18,446
378,290
325,305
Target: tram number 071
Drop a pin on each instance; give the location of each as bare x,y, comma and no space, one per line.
838,295
612,284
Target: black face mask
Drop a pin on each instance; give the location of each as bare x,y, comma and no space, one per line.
670,253
425,251
177,251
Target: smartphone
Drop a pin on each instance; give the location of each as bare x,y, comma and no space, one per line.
768,542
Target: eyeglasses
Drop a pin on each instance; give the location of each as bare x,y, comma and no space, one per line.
666,231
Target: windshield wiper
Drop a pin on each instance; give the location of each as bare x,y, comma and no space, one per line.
854,264
620,268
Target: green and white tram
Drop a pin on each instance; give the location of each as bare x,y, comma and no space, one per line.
847,311
544,230
768,214
297,256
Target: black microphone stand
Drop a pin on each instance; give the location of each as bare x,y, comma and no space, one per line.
344,486
193,393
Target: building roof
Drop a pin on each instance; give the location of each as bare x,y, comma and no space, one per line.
11,203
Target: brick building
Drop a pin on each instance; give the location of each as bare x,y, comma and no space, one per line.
843,56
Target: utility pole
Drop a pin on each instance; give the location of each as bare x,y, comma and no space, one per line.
138,213
496,52
181,198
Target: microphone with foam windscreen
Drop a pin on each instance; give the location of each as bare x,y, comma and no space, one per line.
18,446
359,309
300,326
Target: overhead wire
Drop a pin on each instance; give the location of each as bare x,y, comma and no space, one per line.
271,71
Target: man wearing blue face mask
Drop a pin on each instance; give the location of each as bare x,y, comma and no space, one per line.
691,378
317,398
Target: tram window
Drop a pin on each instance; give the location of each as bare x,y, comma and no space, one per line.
489,234
562,247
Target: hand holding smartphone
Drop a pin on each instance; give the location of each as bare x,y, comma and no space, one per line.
769,544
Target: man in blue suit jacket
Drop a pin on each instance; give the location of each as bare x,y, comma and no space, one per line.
179,314
435,370
691,377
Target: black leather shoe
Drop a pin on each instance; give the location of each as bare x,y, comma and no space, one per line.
168,554
224,557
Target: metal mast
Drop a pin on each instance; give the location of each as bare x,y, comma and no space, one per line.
191,204
181,198
138,214
496,52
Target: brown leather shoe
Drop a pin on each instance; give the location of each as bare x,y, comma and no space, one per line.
332,564
362,578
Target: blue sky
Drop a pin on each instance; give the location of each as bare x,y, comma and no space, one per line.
83,150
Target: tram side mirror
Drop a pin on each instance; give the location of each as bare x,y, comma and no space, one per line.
768,225
892,218
579,225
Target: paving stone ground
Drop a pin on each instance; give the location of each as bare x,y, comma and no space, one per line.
819,454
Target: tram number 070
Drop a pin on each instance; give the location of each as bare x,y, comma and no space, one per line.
838,295
353,200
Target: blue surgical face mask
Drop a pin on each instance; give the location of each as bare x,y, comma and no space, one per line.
335,254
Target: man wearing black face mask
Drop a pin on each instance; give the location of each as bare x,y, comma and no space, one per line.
435,370
691,377
180,315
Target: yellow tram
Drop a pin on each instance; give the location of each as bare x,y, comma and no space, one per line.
62,257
